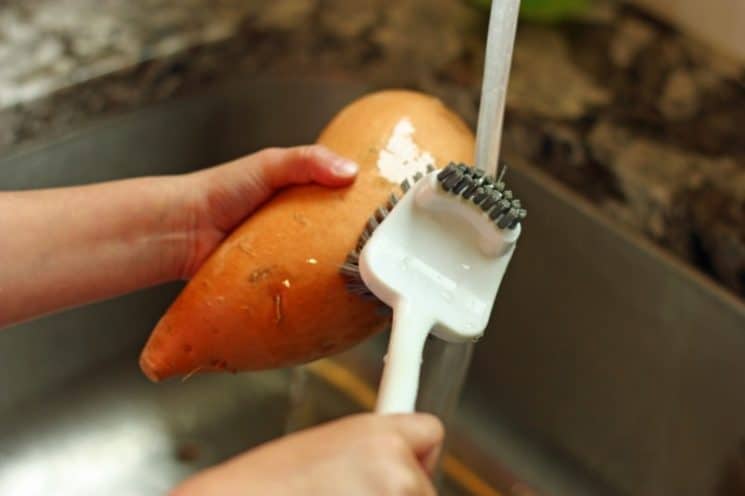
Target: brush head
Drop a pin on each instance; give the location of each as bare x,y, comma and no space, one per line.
439,257
487,198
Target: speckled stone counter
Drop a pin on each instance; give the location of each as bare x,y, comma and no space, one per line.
644,122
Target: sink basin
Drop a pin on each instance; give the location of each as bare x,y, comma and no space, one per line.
607,368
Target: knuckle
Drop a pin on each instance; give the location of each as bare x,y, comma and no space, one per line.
271,154
360,421
307,153
366,422
389,444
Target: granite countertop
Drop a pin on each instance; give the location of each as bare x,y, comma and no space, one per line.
644,122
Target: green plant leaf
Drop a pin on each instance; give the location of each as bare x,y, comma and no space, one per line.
545,10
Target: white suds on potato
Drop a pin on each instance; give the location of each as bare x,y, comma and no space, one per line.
401,157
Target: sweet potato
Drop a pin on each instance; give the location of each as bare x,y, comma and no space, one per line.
271,294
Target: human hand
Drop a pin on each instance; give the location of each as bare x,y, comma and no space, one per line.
361,455
115,237
219,198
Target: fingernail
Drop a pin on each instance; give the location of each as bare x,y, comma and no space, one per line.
343,167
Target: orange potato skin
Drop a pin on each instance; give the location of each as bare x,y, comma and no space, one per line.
271,294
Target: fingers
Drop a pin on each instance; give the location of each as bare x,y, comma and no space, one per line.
362,454
224,195
423,433
430,460
304,164
424,485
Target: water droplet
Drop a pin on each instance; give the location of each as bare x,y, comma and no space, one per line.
286,283
466,266
312,261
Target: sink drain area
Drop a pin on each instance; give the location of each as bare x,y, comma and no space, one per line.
118,434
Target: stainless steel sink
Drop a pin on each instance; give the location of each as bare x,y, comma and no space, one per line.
607,369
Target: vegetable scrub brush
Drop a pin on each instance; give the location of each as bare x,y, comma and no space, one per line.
437,259
438,255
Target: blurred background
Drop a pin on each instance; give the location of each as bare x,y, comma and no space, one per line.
638,106
615,359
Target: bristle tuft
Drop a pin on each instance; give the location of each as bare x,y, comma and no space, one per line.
487,192
507,219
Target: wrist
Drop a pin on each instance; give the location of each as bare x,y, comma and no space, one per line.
171,227
195,234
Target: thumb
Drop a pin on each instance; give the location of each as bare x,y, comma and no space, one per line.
304,164
232,191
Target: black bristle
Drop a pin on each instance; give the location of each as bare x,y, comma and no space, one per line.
488,192
478,177
464,183
479,195
405,185
364,237
351,266
521,215
380,214
501,207
508,218
418,176
493,198
372,223
471,190
430,168
452,180
358,288
446,172
370,226
392,200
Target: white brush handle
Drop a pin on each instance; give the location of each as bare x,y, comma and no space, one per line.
403,362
